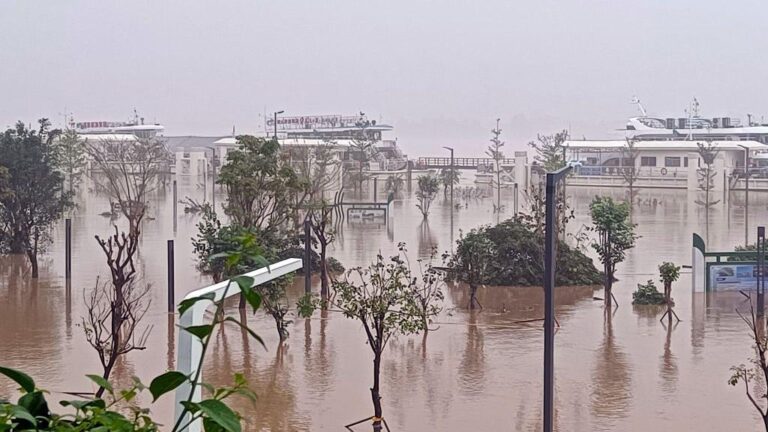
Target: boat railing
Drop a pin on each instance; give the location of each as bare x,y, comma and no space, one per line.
617,171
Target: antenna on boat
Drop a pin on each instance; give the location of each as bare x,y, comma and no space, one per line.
636,101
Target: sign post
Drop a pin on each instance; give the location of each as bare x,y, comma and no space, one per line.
553,179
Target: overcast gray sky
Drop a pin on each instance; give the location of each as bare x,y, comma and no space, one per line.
440,72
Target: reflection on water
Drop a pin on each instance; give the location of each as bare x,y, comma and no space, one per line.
611,378
478,371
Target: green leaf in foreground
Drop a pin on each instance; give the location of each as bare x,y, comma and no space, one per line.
22,379
217,411
166,382
188,303
101,382
201,331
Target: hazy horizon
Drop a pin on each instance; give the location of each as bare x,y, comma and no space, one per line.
439,73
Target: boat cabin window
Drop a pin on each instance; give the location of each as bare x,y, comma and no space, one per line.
653,122
672,161
648,161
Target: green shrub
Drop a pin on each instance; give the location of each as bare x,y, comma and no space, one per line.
516,257
647,294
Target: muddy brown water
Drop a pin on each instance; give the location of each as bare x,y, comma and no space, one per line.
476,371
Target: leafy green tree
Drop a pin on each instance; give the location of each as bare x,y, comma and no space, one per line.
550,150
34,199
494,151
321,222
426,287
471,262
512,253
215,245
260,185
394,184
449,176
669,273
380,297
72,157
427,188
615,235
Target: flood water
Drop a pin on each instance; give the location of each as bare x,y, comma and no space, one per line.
478,371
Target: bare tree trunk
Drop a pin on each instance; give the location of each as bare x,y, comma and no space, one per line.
472,296
33,262
608,285
375,395
323,273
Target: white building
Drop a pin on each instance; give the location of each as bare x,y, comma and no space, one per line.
666,164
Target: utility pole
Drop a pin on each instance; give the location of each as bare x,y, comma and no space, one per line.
275,124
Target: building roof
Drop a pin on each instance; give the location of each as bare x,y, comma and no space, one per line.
679,145
189,142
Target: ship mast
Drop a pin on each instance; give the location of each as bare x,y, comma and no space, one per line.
636,101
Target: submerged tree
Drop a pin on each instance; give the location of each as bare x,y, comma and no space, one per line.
214,240
131,169
394,184
115,310
535,218
321,220
72,156
471,262
550,150
758,372
630,173
260,185
380,297
426,192
706,177
363,146
449,176
495,153
426,287
669,273
34,198
615,235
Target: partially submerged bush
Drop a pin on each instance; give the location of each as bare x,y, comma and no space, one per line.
516,257
647,294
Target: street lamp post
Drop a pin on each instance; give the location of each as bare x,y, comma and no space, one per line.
553,178
451,180
746,193
275,124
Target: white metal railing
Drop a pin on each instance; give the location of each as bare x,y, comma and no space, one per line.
608,171
190,348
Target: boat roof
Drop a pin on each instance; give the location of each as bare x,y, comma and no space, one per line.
296,142
662,145
108,137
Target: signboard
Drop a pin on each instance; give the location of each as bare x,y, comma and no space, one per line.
316,121
732,277
363,214
99,124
